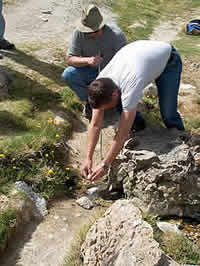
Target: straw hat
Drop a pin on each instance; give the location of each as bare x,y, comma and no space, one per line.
91,19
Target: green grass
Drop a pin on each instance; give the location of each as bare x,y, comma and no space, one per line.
152,116
178,247
147,14
181,249
7,221
28,124
37,93
43,170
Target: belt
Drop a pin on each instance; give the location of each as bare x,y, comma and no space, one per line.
171,57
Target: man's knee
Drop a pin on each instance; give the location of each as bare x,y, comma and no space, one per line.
67,74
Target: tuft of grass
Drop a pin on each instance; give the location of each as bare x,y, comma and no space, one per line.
74,257
7,221
191,122
152,115
181,249
177,246
152,220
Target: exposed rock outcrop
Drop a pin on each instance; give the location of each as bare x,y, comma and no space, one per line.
122,237
159,169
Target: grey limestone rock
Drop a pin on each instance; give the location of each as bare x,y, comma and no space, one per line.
161,174
122,237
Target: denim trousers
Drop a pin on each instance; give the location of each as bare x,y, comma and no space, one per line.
168,86
2,22
78,79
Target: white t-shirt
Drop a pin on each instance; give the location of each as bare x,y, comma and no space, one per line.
134,67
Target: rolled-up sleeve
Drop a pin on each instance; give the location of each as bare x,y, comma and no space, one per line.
75,45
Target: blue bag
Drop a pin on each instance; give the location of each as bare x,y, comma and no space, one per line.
193,27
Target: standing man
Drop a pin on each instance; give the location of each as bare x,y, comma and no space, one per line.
4,44
122,81
92,46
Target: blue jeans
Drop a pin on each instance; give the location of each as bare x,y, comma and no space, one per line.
78,79
168,86
2,22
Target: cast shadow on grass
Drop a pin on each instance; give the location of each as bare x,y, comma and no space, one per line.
51,71
10,123
42,98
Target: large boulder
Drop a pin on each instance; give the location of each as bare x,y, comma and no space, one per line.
122,237
160,170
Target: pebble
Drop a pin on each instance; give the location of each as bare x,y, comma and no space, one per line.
85,203
49,12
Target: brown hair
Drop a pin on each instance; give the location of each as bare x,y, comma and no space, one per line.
100,92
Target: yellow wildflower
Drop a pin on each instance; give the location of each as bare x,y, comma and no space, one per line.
67,169
50,171
57,135
2,155
46,155
14,167
54,121
50,120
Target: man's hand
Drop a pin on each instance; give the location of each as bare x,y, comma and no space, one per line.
97,173
94,60
87,168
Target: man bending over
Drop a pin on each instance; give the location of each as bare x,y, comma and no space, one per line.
121,83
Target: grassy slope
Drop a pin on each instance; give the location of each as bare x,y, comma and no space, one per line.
27,120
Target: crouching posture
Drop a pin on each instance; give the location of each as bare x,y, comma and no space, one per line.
121,83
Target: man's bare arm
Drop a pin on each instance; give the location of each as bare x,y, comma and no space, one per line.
121,136
94,131
93,136
78,61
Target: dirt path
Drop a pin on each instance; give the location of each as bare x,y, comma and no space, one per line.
46,244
